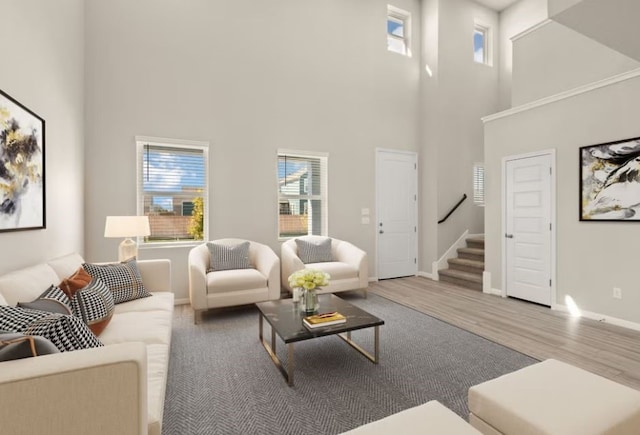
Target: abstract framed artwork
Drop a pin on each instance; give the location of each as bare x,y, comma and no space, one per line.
610,181
22,178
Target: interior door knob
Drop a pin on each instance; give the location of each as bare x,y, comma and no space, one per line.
509,236
381,232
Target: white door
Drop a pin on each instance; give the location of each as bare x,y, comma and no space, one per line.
528,223
396,212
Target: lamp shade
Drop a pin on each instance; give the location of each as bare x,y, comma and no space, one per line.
127,226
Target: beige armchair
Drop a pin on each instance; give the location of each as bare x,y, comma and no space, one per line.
226,288
349,269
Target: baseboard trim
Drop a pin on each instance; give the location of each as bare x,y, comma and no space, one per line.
181,301
373,279
494,291
600,317
425,274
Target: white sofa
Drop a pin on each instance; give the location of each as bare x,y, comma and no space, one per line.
117,389
227,288
430,418
349,270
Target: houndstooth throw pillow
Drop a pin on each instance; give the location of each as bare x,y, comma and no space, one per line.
94,304
53,300
65,331
90,299
16,319
123,279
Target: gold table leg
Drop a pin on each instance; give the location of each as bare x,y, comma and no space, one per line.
271,350
376,345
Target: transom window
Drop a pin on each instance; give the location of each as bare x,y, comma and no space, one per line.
481,44
172,189
302,193
398,30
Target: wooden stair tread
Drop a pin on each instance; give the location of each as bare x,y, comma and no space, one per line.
473,251
476,264
458,274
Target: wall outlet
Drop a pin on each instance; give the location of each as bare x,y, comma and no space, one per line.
617,293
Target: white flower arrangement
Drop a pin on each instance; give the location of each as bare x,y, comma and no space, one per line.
309,279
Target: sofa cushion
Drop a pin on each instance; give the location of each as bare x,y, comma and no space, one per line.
90,299
430,418
66,265
317,250
552,397
335,269
228,257
161,301
123,279
149,327
27,284
231,280
53,300
15,345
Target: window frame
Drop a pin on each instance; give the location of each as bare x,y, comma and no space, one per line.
202,146
397,14
485,30
323,196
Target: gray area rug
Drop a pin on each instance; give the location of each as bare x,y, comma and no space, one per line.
222,381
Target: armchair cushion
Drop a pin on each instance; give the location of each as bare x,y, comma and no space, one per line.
228,257
314,250
335,269
231,280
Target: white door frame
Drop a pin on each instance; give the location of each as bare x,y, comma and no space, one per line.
552,153
417,251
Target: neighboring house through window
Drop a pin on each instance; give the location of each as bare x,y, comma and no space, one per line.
398,31
302,193
172,189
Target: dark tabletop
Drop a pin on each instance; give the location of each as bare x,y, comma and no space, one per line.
285,318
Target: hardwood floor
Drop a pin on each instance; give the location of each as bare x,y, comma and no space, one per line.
608,350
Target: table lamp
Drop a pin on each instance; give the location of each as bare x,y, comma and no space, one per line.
127,227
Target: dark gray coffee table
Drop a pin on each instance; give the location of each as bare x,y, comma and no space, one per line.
285,319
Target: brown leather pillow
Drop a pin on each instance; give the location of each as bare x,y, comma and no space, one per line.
75,282
90,300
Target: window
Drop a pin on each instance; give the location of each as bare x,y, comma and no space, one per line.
398,30
302,193
172,189
481,44
478,184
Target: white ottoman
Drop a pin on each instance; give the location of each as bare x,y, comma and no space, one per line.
554,398
430,418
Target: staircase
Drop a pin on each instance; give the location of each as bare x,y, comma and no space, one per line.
466,269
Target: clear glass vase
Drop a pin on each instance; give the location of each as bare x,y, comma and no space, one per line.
309,301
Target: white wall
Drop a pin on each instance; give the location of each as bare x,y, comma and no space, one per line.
592,257
516,18
42,68
555,58
465,92
249,77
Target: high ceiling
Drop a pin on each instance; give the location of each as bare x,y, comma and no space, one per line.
497,5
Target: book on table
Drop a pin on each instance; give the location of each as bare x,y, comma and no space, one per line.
323,319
